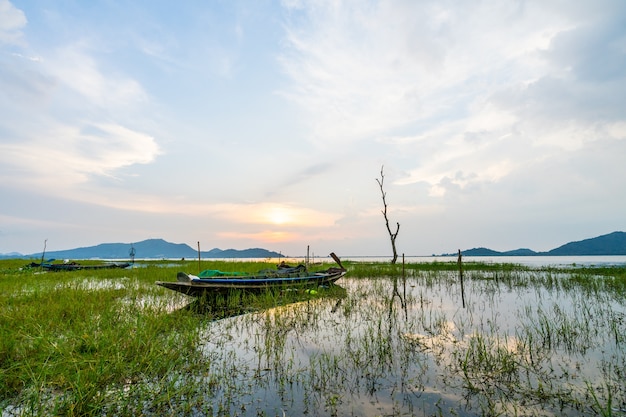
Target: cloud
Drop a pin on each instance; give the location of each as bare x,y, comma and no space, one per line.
78,71
12,21
482,89
362,68
265,236
67,155
307,173
67,120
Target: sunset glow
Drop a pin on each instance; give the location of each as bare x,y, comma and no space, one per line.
266,236
279,215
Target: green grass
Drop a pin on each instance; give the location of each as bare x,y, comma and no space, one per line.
110,342
68,337
58,335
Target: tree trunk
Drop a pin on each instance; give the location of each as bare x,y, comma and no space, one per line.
392,235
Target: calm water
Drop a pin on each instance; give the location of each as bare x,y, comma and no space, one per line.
537,261
532,260
548,349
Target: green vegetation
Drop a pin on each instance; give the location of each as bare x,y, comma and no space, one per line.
67,337
391,339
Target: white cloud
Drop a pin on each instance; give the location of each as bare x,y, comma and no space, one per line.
617,130
68,119
79,71
361,68
65,156
482,89
12,21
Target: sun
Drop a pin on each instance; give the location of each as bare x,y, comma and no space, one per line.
279,215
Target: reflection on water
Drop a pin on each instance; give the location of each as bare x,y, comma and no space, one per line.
542,348
96,284
220,306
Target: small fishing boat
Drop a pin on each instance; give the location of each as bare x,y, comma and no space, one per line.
73,266
212,281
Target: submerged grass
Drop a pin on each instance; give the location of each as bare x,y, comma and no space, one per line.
394,341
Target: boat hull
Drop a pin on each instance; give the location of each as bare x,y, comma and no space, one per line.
194,286
79,267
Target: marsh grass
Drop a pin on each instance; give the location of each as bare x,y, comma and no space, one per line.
387,341
63,344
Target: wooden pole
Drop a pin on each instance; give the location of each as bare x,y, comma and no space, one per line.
199,270
403,279
461,276
43,253
403,298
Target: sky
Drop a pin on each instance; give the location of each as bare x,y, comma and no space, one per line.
266,124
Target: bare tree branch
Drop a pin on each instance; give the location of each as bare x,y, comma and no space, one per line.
392,235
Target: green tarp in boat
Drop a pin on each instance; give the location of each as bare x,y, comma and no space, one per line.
209,273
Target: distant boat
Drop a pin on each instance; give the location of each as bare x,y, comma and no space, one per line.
212,281
73,266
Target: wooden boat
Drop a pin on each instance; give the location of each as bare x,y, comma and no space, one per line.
73,266
282,277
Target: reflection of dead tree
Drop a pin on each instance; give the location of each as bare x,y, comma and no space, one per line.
396,293
392,235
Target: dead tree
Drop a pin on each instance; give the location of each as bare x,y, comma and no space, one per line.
392,235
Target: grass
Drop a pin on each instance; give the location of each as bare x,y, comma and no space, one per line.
110,342
60,338
66,338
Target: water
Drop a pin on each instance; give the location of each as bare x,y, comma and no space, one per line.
533,261
528,343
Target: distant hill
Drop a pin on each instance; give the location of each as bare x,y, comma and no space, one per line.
152,249
611,244
491,252
10,255
481,252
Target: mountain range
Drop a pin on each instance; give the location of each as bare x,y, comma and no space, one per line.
147,249
610,244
